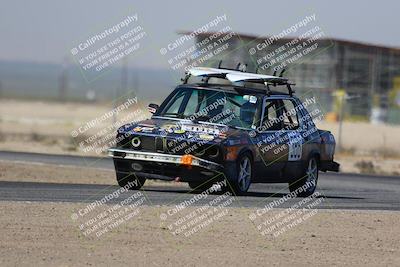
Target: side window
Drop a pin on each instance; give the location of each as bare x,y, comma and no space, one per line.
290,115
271,119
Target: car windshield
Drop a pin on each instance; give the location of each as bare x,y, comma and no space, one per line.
232,109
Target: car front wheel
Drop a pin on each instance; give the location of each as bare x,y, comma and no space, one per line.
239,178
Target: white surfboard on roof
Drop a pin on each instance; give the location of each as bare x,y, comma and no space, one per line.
253,77
234,75
208,72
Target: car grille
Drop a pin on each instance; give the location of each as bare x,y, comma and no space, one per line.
141,142
172,146
210,152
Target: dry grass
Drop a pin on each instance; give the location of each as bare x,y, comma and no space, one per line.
46,128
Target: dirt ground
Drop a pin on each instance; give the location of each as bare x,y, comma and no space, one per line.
43,234
46,173
46,234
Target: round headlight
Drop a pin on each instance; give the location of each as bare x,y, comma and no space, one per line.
136,141
213,152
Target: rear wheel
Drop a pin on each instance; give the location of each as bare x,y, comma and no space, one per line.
130,180
239,178
306,185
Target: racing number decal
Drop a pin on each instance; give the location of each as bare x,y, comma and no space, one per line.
295,146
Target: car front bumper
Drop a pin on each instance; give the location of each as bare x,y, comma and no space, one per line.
165,159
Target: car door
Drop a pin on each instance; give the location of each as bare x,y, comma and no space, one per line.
270,141
300,134
293,129
309,132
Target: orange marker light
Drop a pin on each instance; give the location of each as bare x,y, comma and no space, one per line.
187,159
232,153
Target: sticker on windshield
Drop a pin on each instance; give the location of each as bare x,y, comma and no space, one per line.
251,98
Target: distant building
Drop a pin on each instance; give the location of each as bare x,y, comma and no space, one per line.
363,70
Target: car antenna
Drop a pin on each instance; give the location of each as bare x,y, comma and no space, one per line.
268,89
206,79
237,66
243,68
289,87
274,74
186,78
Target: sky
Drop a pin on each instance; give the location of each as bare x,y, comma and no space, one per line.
46,30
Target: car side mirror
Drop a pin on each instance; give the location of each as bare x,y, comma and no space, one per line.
152,108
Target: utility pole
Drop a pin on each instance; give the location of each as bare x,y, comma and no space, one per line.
124,75
123,86
1,93
342,100
114,117
135,83
63,81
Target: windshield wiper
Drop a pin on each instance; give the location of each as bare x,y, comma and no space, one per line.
174,114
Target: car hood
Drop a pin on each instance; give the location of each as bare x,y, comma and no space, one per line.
180,128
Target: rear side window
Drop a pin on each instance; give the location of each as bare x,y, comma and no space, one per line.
280,114
290,115
271,116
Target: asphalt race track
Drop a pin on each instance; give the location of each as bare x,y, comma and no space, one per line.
339,191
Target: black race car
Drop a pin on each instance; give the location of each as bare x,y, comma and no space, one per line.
205,133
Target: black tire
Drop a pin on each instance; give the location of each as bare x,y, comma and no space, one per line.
130,180
239,181
307,183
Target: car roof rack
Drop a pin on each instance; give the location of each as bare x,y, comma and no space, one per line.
239,74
